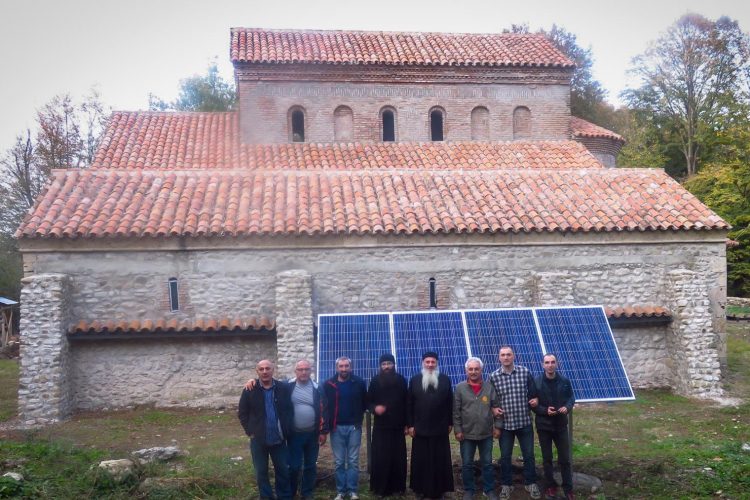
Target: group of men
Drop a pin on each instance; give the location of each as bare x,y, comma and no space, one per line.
288,421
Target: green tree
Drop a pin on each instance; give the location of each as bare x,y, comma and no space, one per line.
209,92
689,78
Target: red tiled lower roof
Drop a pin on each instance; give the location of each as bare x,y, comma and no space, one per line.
117,203
257,45
582,128
165,140
173,325
637,312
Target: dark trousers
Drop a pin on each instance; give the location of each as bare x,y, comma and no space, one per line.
280,458
525,437
468,450
562,442
303,448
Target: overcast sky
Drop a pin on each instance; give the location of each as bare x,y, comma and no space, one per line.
128,48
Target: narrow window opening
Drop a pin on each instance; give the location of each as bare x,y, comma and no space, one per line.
298,126
389,126
174,300
436,125
433,294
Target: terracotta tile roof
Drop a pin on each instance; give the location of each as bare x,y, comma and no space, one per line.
173,325
158,140
392,48
121,203
637,312
582,128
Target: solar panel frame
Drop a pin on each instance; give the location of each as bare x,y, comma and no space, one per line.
463,344
598,373
364,362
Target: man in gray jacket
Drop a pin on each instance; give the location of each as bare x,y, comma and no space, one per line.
475,406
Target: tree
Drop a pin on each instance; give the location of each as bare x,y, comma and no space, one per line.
587,96
690,77
66,135
209,92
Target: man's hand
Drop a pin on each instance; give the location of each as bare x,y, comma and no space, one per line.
379,409
497,412
533,402
459,436
411,431
250,384
496,433
563,410
322,439
551,411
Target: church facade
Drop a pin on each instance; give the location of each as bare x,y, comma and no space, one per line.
358,167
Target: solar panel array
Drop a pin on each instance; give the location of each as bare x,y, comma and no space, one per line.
580,337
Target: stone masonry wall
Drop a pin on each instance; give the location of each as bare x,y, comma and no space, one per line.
646,356
44,389
265,105
165,372
294,320
110,285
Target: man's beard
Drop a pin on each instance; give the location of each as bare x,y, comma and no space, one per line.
388,379
429,379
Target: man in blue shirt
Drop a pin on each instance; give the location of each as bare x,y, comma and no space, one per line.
266,413
347,399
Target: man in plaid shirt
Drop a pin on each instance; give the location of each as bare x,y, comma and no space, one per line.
517,392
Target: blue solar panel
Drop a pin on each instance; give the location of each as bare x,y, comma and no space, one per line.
586,352
361,337
491,329
442,332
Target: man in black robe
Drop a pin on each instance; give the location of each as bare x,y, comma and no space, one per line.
429,415
386,399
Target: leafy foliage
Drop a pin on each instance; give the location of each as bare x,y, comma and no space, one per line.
209,92
690,79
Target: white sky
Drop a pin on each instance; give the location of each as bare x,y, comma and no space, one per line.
128,48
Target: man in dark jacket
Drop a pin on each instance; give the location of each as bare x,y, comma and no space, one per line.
347,398
429,415
266,414
556,400
386,399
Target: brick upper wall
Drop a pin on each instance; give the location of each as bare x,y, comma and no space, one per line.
265,105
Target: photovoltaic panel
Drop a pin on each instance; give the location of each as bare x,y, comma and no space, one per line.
361,337
490,329
442,332
586,352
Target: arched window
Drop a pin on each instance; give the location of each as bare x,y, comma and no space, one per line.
521,123
437,119
480,124
388,124
343,124
297,124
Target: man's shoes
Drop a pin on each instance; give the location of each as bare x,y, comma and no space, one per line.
505,492
550,493
468,495
354,496
533,490
490,495
340,496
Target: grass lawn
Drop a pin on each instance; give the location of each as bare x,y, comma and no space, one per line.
659,446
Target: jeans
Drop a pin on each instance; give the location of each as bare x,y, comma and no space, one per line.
345,442
526,441
562,442
303,448
280,458
468,448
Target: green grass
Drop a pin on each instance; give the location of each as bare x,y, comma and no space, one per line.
738,311
659,446
8,389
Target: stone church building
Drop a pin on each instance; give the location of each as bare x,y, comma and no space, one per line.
357,167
